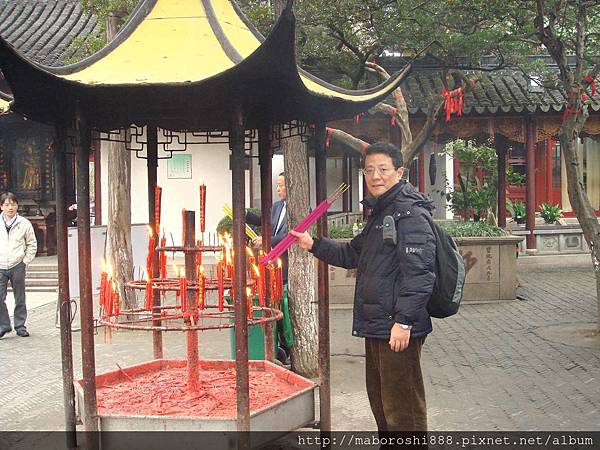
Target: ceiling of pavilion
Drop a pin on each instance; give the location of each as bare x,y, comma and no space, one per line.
184,64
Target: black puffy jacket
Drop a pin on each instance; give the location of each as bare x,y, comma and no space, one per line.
393,282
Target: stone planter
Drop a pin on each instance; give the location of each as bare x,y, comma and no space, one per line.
555,239
491,265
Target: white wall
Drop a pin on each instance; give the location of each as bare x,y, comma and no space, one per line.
210,164
445,170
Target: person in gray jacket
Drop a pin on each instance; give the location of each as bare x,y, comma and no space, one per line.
395,258
17,249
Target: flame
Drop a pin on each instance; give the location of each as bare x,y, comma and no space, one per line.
150,231
201,268
103,264
147,276
279,263
249,251
256,270
248,292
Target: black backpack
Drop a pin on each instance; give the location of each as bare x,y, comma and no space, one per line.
449,275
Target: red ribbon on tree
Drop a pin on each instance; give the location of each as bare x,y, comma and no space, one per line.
328,138
393,120
357,118
592,82
453,102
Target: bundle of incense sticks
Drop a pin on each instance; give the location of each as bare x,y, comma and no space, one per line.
303,225
229,213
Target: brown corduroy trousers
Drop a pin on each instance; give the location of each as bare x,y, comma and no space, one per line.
395,386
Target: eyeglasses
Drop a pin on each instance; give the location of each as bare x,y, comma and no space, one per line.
382,171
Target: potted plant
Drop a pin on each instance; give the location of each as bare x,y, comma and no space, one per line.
550,213
517,211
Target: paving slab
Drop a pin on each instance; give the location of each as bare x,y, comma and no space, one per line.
495,366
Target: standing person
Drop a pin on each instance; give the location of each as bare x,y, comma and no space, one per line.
17,249
279,222
279,230
394,281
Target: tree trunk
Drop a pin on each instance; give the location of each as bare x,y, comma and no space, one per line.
118,231
301,269
580,201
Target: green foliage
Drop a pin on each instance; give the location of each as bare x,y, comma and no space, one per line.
550,213
477,191
225,224
471,229
517,211
340,232
82,47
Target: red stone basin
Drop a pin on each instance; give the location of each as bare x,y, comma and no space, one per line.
153,396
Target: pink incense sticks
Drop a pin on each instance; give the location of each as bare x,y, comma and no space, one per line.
303,225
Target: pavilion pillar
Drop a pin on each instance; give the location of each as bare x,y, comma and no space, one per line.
501,149
152,168
345,179
421,165
265,160
530,135
90,411
236,143
64,297
323,285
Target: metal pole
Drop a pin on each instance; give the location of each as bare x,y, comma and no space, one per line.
236,143
265,160
323,286
191,312
501,152
90,419
64,297
530,184
152,166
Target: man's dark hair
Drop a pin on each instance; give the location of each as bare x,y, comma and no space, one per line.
386,148
282,174
8,196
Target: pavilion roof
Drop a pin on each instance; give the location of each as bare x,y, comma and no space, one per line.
44,31
185,64
506,92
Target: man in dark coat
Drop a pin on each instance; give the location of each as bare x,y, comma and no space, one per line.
394,281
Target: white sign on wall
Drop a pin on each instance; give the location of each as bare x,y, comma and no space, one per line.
179,166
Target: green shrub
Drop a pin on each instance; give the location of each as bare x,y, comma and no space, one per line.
471,229
340,232
550,213
225,224
517,211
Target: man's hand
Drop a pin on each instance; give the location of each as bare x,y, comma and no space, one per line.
399,338
257,242
304,239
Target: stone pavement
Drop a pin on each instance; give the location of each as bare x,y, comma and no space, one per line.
522,365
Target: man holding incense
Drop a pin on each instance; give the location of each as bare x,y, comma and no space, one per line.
279,222
279,230
395,258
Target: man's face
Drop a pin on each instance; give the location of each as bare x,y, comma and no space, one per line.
9,208
280,187
380,174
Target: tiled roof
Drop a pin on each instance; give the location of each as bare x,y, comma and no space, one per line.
43,30
494,93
